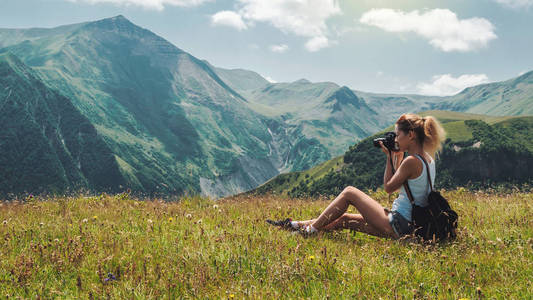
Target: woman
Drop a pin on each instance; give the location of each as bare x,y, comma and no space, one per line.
416,135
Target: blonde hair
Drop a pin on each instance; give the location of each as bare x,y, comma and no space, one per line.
428,130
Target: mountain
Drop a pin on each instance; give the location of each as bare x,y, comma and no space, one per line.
10,37
47,145
241,80
507,98
172,123
391,106
480,151
327,112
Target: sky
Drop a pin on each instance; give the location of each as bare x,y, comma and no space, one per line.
382,46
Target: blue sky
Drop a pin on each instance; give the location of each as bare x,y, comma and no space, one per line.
396,46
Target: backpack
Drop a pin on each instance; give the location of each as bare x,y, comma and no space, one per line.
435,222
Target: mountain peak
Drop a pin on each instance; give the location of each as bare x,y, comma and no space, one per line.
119,23
303,80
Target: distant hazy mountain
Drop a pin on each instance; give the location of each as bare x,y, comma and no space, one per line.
241,80
391,106
507,98
173,124
325,111
46,144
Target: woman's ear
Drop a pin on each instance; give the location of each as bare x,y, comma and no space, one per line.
412,134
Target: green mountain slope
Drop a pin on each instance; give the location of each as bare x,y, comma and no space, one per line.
479,151
510,97
173,124
10,37
47,144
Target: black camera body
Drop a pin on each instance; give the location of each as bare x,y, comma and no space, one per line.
388,141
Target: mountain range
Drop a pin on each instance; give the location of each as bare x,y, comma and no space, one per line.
155,119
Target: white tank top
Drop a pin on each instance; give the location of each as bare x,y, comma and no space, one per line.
419,188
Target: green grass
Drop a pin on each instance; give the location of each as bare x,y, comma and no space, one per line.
199,248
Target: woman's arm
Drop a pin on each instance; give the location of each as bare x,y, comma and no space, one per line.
392,182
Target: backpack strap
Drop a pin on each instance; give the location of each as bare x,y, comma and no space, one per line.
405,184
427,168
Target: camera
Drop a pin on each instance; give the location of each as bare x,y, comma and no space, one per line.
388,141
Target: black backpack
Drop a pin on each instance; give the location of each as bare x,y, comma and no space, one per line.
435,222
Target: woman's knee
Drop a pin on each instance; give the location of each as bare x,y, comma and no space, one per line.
350,190
351,193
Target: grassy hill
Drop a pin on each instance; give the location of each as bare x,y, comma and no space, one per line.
117,247
504,156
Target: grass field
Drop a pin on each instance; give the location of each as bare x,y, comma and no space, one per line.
118,247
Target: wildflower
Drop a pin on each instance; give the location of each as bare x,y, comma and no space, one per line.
84,220
215,206
5,222
231,296
170,219
56,240
110,277
41,224
95,217
311,257
188,216
199,221
150,221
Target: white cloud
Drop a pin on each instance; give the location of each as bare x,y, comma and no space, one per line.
516,3
306,18
150,4
228,18
440,26
317,43
279,48
446,84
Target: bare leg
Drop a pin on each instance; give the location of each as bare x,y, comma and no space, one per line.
371,212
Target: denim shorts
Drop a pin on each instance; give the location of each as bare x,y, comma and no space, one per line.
399,224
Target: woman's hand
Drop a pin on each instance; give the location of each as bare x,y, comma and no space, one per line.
397,157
